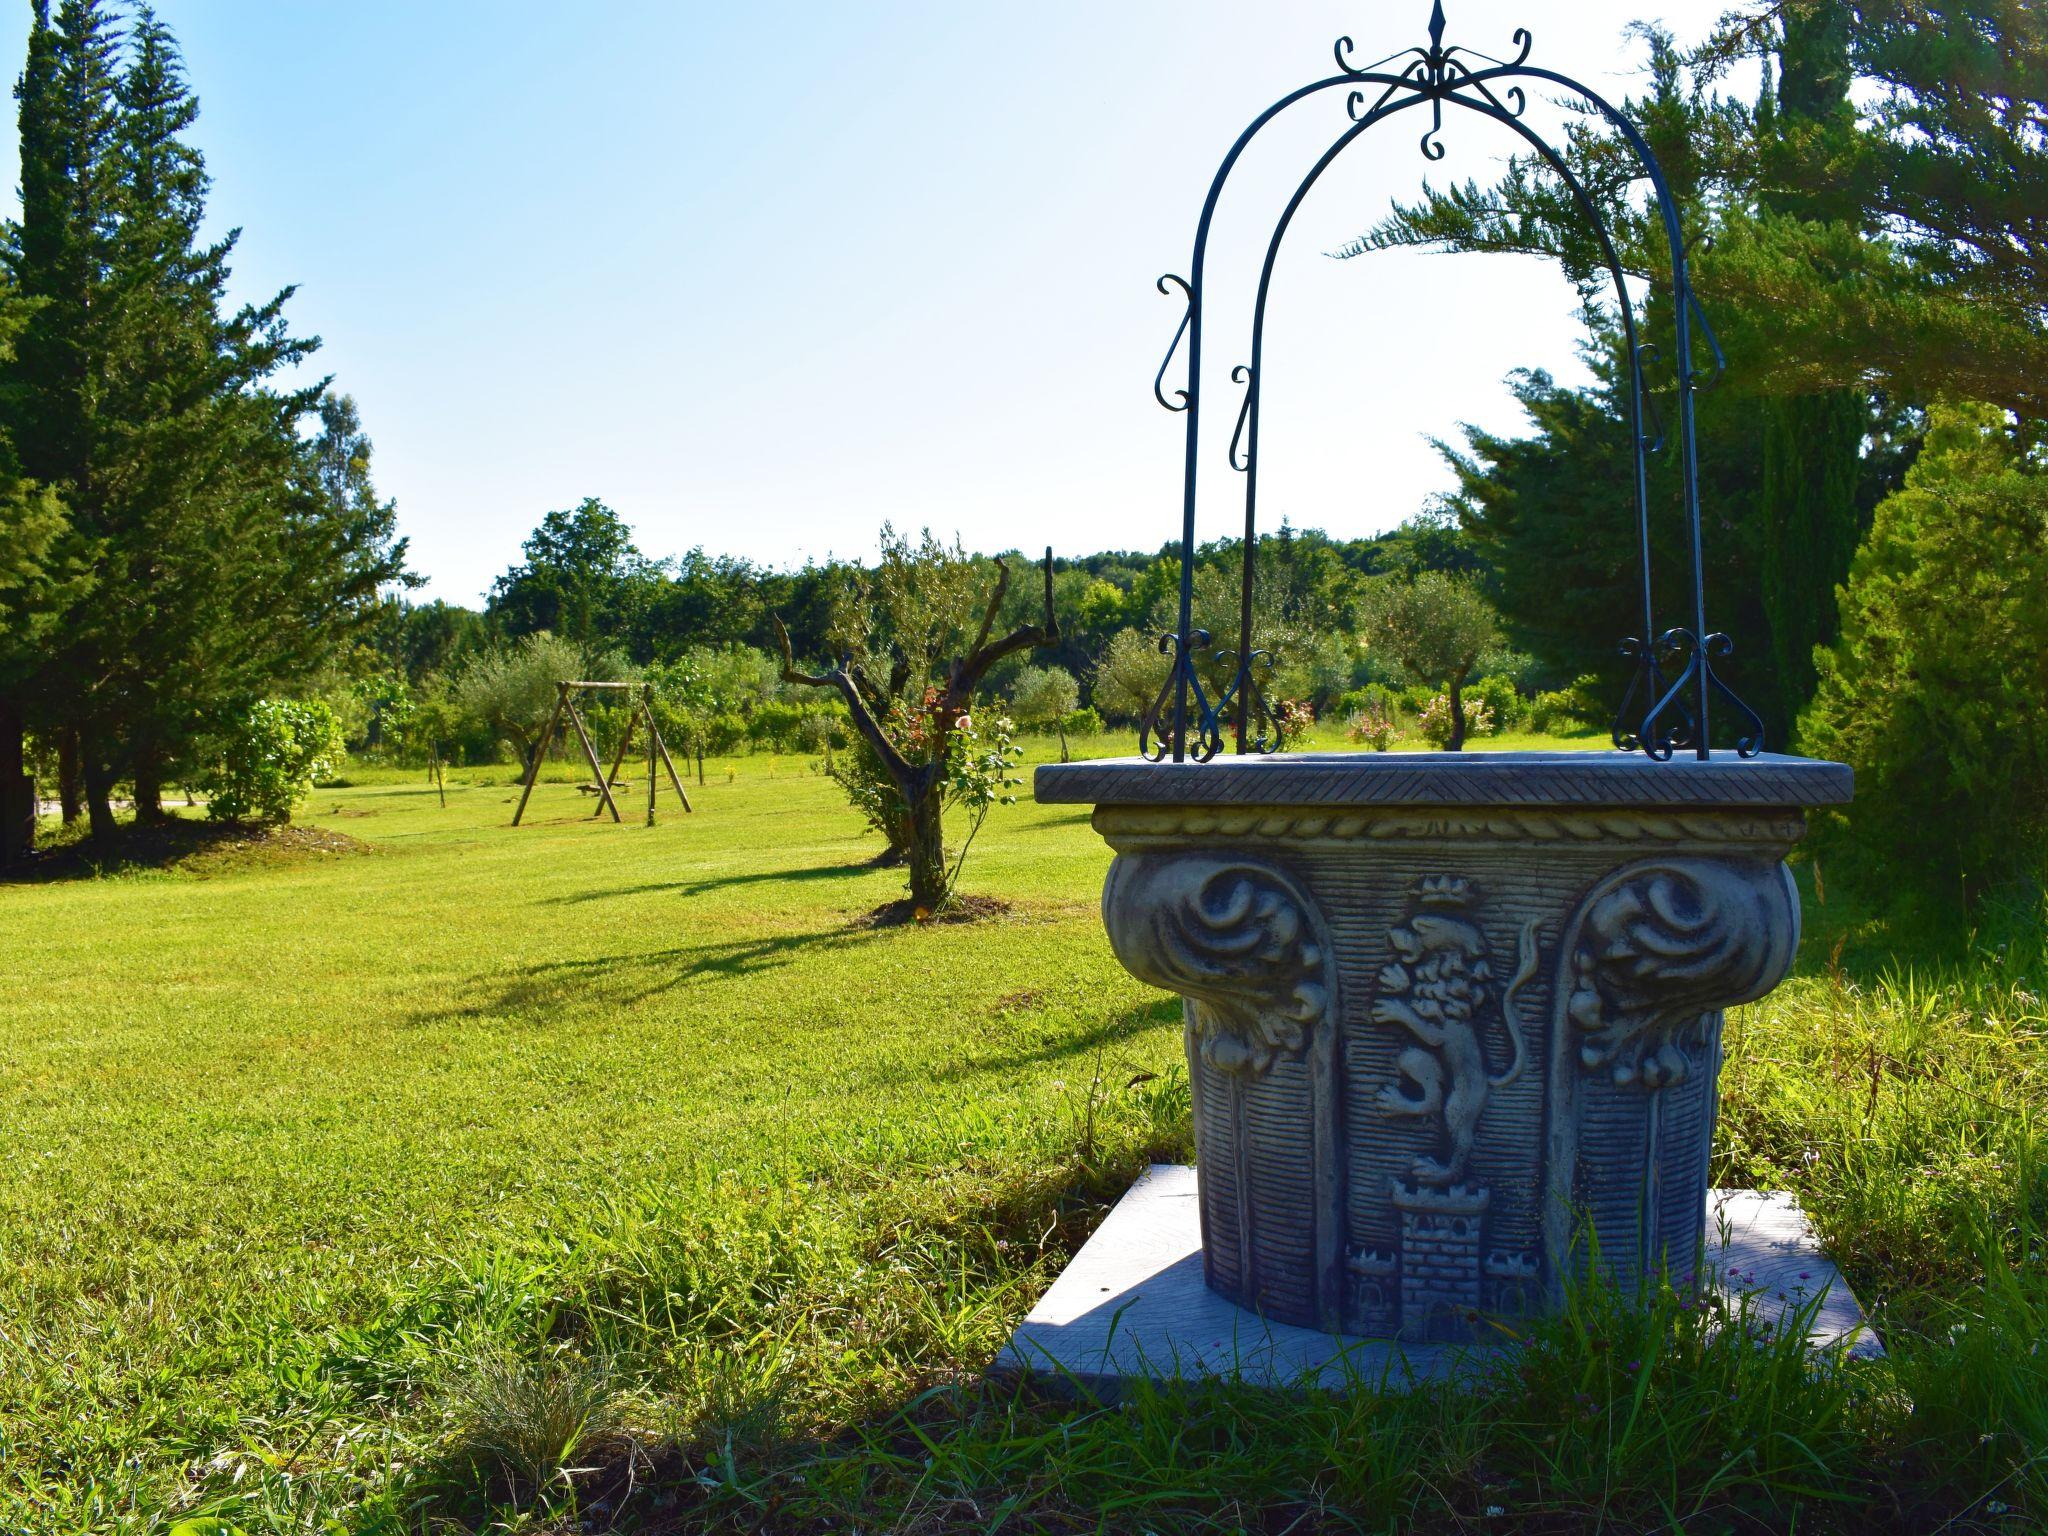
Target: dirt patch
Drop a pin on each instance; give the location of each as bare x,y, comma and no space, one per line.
1017,1002
961,909
202,849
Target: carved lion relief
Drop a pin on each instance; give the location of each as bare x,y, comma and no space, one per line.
1237,937
1439,990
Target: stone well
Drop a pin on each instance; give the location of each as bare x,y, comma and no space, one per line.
1450,1016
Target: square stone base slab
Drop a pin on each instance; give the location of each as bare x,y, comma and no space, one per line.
1132,1302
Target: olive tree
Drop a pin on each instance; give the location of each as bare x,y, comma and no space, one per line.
510,688
1042,698
1434,628
914,645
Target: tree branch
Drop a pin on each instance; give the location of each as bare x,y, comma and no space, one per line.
906,774
969,670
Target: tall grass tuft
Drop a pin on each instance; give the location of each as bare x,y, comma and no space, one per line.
529,1419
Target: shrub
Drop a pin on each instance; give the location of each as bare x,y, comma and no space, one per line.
1294,718
723,733
267,758
1372,697
1082,722
1435,720
1416,697
775,725
1374,726
1573,708
1505,706
1933,692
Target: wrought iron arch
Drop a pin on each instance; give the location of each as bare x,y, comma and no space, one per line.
1674,681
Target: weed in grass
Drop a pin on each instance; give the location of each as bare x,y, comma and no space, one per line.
529,1420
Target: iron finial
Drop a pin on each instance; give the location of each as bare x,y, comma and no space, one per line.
1436,27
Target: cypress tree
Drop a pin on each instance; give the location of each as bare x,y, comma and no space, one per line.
1813,511
60,255
224,567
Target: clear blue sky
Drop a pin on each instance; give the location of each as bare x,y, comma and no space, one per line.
761,277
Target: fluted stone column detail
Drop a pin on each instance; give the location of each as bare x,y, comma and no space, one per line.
1244,945
1653,957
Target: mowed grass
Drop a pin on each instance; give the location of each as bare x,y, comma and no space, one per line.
581,1176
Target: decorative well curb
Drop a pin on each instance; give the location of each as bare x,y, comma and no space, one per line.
1453,1021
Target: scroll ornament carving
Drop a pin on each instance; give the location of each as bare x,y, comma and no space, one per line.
1663,946
1238,938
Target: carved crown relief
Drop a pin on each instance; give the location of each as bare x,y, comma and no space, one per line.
1439,990
1663,946
1237,937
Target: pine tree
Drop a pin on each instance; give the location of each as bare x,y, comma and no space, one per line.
1813,514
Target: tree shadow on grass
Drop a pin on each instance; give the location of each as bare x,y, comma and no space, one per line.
1079,818
180,845
1123,1028
715,883
625,979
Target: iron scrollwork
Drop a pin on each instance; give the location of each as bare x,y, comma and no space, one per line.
1668,706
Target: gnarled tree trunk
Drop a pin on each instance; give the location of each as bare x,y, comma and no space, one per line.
70,777
925,850
99,788
17,789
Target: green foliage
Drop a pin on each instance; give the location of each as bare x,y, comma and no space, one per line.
510,688
1128,675
1082,722
776,725
723,733
265,760
1373,725
1933,693
1442,728
583,579
1505,708
1377,698
1563,709
1040,697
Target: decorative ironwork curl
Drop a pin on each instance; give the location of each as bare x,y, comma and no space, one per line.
1187,315
1646,684
1251,701
1241,374
1652,440
1168,707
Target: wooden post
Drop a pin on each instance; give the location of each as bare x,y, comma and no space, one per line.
625,741
662,747
540,749
590,752
653,735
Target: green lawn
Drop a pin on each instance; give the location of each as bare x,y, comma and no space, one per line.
334,1179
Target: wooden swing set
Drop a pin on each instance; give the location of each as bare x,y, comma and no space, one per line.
642,712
